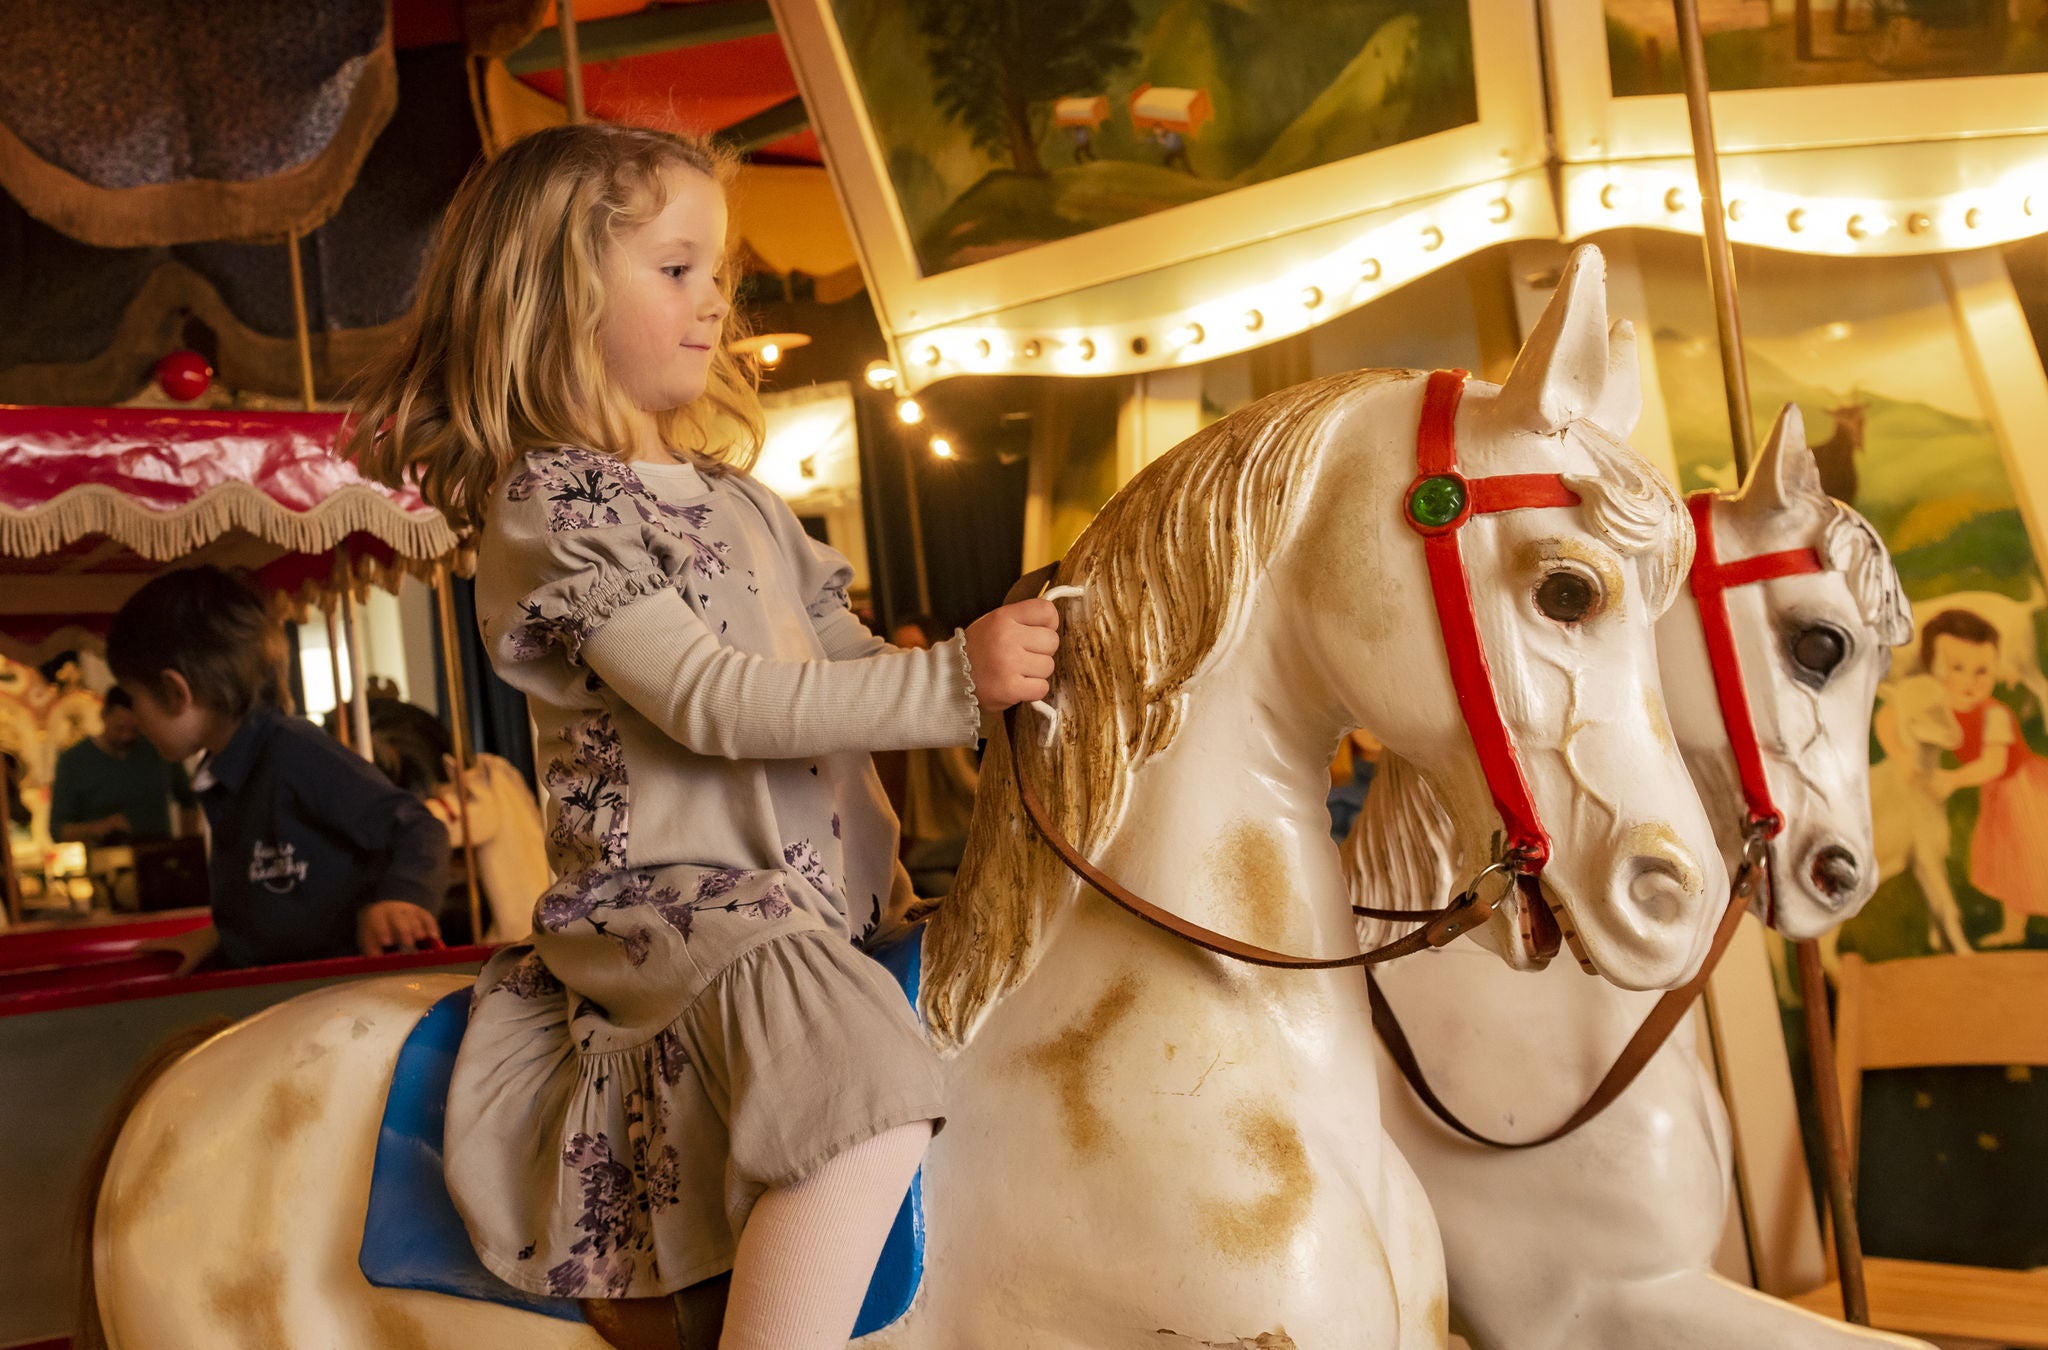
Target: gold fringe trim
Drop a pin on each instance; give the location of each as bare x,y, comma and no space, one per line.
153,324
160,536
198,209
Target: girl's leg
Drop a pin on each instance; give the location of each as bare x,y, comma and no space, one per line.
808,1251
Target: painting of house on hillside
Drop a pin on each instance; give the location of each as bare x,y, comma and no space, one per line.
1007,124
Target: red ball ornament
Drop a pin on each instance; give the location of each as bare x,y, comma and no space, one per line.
183,375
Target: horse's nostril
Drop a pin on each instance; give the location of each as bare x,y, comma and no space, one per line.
1835,872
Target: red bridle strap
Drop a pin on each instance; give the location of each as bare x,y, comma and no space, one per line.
1711,581
1438,505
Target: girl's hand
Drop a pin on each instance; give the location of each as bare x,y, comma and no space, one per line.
1010,651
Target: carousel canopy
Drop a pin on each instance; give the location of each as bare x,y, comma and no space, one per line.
96,501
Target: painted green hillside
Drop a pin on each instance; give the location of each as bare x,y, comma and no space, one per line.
1933,483
1294,84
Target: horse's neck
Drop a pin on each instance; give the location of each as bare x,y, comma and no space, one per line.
1229,827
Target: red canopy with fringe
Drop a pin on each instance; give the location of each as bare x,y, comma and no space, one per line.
96,501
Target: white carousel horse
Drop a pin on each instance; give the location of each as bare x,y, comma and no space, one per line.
510,839
1605,1239
1148,1146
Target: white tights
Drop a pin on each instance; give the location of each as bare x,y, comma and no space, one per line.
808,1251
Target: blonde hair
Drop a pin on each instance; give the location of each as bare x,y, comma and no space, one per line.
499,354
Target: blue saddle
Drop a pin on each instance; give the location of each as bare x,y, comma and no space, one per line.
414,1239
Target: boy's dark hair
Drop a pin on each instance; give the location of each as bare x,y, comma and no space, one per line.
1956,623
117,697
214,629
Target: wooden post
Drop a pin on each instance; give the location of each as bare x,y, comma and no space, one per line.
458,738
332,611
8,877
924,580
300,322
1827,1099
572,61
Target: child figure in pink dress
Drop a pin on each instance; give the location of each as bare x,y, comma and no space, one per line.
2009,849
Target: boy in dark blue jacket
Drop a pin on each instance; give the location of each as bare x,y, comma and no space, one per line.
315,853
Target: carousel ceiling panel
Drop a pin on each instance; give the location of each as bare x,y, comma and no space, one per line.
125,125
1115,185
87,324
92,500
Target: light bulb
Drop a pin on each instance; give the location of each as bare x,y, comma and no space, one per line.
879,375
942,447
770,353
909,411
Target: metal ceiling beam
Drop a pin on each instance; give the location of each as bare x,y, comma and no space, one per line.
765,128
662,28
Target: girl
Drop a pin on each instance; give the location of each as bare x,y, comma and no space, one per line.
690,1068
2007,860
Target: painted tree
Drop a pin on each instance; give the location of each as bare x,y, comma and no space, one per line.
999,64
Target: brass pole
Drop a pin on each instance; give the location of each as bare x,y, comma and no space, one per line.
358,678
572,61
333,615
299,320
458,739
1714,217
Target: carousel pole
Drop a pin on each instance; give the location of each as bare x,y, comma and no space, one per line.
458,737
572,61
1692,54
358,679
332,611
1841,1191
302,327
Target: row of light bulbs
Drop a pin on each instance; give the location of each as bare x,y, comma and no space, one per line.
1648,196
1380,259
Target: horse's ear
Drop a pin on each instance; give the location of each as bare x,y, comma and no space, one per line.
1563,371
1785,474
1620,404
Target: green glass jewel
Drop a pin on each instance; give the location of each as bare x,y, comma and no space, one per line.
1436,501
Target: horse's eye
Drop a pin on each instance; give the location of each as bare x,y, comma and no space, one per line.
1565,596
1819,650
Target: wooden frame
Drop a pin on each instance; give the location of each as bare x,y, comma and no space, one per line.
1899,166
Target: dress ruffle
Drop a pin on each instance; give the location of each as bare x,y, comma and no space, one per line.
615,1151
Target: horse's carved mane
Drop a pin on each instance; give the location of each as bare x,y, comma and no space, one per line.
1167,566
1398,855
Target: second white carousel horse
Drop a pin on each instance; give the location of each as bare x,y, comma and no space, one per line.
1605,1239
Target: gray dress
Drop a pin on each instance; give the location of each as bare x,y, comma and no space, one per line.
692,1021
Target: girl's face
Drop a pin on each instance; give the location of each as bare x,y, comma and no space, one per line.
663,308
1967,670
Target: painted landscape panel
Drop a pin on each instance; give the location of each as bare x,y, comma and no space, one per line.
1007,123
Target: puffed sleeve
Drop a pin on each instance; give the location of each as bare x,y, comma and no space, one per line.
572,536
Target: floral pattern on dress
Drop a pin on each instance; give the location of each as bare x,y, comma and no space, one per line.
531,978
613,1222
587,790
716,890
804,857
